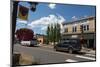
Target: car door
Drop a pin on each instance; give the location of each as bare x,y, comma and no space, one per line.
65,45
59,46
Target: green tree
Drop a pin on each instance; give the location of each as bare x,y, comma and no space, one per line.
58,32
53,33
48,34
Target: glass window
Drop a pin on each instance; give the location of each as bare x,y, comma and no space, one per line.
74,29
87,27
73,41
84,27
64,42
66,29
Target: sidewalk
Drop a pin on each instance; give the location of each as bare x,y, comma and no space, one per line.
89,51
45,45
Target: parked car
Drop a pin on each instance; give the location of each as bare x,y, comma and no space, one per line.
33,42
25,43
69,45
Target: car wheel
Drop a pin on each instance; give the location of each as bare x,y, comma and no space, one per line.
70,50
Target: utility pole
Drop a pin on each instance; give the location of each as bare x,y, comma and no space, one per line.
14,16
82,37
15,57
13,27
81,29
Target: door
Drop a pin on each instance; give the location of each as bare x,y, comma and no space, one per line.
65,45
91,43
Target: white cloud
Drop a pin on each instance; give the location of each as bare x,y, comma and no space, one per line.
21,21
44,28
43,22
52,6
85,16
74,18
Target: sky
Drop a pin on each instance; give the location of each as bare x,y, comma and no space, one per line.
47,13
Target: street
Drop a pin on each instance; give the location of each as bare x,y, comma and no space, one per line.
47,55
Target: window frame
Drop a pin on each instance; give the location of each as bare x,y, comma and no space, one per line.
74,29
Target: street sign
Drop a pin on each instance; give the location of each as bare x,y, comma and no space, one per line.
23,12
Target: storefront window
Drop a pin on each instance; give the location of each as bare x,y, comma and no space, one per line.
87,27
66,29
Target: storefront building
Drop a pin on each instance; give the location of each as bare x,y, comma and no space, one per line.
83,28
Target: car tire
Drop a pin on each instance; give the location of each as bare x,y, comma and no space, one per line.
70,50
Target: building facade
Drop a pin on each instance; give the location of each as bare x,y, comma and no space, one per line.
84,28
41,39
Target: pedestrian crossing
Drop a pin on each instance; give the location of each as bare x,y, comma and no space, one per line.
70,60
84,57
79,58
90,55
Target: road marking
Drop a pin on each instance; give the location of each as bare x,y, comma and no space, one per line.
70,60
90,55
85,57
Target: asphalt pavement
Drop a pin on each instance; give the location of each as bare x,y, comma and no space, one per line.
47,55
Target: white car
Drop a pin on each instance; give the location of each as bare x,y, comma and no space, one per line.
25,43
29,43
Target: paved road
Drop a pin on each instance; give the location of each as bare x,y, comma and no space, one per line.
47,55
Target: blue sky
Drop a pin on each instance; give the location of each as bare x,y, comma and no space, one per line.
50,13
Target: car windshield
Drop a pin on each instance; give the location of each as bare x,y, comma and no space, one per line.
66,42
69,41
34,39
74,41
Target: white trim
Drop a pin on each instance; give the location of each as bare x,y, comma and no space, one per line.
84,57
70,60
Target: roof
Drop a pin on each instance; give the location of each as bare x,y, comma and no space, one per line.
77,21
40,35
